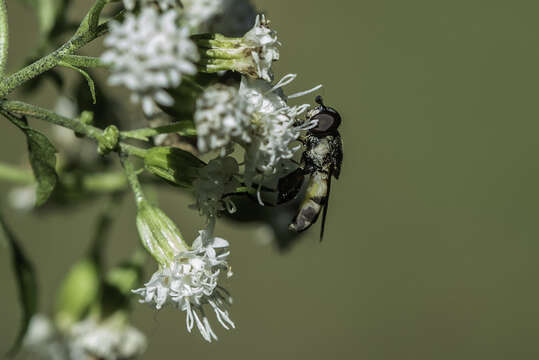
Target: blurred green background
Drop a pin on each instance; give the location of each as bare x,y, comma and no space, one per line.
431,247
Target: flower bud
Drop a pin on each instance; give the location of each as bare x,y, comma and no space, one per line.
78,293
109,140
158,233
172,164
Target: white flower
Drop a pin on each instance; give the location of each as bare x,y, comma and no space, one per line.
108,340
198,12
190,282
221,115
275,126
163,4
149,52
216,179
42,340
264,43
251,55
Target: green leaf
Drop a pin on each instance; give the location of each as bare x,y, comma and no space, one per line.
87,76
26,284
91,21
79,290
42,158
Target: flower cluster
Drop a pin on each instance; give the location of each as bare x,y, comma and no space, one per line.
159,52
188,276
88,339
106,340
221,116
150,53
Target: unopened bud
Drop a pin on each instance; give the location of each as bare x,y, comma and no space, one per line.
158,233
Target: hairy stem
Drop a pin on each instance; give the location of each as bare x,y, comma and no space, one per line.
83,61
22,108
132,179
89,131
88,31
183,128
4,38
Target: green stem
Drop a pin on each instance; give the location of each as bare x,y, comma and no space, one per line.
133,150
132,179
88,31
14,174
183,128
22,108
104,183
42,65
4,38
83,61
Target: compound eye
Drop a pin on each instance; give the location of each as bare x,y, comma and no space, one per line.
325,122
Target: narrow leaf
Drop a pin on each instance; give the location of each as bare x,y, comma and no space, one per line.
26,284
42,158
91,21
88,78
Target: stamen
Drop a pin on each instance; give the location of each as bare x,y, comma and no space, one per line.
306,92
287,79
258,195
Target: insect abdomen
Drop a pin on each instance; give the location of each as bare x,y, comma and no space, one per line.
315,198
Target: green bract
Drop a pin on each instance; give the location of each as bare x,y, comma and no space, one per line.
172,164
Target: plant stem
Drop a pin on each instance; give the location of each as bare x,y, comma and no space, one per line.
42,65
183,128
132,179
82,37
83,61
4,38
22,108
91,132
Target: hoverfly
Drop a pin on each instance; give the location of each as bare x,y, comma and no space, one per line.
321,160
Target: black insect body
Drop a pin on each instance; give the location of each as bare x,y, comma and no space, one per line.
321,160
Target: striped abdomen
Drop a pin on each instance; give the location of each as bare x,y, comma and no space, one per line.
316,197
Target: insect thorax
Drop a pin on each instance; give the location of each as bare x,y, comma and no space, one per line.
321,152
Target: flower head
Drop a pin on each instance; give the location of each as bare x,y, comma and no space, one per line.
220,117
199,12
251,55
149,52
216,179
275,126
265,47
190,282
111,339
